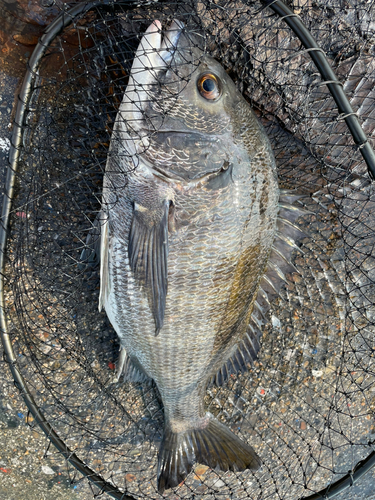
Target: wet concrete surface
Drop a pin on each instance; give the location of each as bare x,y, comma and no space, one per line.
30,469
23,21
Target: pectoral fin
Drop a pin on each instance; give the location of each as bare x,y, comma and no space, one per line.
148,253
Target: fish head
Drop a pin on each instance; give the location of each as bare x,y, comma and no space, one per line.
181,112
192,93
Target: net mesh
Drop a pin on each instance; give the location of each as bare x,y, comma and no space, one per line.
307,404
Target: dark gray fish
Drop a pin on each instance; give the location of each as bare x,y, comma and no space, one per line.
190,216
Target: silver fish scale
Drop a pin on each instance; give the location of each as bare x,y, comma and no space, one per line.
164,102
189,235
202,279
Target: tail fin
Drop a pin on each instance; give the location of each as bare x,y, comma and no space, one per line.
213,445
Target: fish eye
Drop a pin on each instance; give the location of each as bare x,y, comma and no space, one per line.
209,86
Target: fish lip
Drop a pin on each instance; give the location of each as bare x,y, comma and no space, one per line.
209,137
171,38
153,55
189,183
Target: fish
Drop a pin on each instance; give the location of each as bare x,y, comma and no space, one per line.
193,238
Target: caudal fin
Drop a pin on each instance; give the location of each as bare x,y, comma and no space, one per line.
213,445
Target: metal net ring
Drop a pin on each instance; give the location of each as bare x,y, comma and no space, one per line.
31,82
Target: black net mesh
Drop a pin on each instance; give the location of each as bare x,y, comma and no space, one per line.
307,404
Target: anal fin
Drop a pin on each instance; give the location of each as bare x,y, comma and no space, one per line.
127,370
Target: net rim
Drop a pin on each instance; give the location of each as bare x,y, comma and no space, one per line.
62,21
54,29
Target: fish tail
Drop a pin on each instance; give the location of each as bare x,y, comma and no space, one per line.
211,443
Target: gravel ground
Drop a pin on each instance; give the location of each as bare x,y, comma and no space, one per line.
25,470
30,469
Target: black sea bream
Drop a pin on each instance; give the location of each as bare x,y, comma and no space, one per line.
189,218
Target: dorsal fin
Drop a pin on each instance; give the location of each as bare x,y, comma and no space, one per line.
279,265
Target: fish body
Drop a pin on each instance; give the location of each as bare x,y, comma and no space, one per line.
189,213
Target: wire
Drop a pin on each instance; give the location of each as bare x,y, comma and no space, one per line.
329,77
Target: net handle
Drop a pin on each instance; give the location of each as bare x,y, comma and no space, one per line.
63,20
329,78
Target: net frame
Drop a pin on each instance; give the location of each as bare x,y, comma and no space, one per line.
66,18
62,21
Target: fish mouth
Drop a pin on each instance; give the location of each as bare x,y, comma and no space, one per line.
154,55
208,178
155,51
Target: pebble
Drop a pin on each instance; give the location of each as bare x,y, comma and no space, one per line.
275,321
4,144
47,470
201,469
219,483
26,39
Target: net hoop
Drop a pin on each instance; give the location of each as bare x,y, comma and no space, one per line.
55,28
